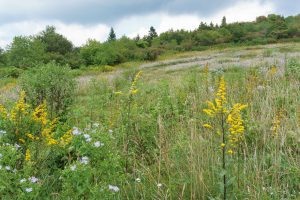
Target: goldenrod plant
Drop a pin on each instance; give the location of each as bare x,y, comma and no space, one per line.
228,125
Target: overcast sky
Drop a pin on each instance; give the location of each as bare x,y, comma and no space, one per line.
80,20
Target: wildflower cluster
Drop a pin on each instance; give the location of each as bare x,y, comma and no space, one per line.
218,106
218,109
133,90
31,126
236,127
276,123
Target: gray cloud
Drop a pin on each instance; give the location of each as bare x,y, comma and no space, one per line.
101,11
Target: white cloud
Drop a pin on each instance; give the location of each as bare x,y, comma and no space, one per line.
131,26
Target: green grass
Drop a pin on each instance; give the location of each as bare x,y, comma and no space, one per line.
168,144
159,131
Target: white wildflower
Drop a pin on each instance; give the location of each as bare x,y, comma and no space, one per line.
98,144
84,160
23,180
113,188
7,168
76,131
159,185
86,136
96,125
33,179
138,180
28,189
88,140
110,131
2,132
73,167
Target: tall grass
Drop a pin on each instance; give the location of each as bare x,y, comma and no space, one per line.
172,156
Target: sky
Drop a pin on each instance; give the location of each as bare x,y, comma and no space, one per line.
80,20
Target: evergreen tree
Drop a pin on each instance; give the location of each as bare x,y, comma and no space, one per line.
112,35
152,32
224,23
151,35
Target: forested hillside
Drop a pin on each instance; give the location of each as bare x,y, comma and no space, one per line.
48,45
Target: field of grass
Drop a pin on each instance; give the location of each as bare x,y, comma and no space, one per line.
167,147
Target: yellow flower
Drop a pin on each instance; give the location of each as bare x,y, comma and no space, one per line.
133,90
207,126
27,155
118,93
230,151
51,141
30,136
40,114
222,145
22,140
66,138
276,123
220,101
209,112
235,122
20,107
3,111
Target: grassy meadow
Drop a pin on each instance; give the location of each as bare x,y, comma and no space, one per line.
215,124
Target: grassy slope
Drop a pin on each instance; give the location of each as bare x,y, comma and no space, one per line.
167,142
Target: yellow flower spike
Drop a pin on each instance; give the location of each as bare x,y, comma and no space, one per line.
40,114
207,126
3,111
133,90
66,138
208,112
235,122
27,155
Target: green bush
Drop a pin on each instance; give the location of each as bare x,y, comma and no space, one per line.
51,83
293,68
10,72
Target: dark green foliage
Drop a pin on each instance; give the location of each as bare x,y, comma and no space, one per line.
112,35
54,42
224,23
51,83
10,72
3,57
25,52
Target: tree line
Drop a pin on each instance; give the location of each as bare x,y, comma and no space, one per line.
48,45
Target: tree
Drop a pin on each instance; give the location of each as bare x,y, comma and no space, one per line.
112,35
152,32
54,42
151,35
25,52
3,56
224,23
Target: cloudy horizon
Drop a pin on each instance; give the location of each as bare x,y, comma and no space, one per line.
80,20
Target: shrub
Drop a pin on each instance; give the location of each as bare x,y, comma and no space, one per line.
293,68
10,72
51,83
